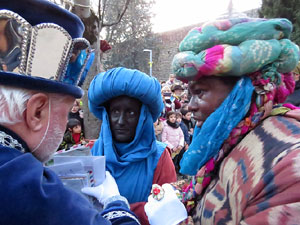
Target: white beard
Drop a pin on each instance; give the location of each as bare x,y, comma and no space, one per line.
53,137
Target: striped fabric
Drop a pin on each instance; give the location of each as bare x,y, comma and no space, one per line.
259,181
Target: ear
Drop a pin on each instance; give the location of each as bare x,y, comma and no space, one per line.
37,112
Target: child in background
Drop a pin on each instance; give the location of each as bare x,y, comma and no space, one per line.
171,103
158,128
186,135
73,136
77,113
172,134
184,98
187,119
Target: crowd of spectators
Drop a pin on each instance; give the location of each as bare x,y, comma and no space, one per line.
175,126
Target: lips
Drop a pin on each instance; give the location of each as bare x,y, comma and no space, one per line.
198,119
121,130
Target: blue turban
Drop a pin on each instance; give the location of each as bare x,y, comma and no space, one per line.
134,168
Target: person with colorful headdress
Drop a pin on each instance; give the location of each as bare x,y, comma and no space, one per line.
245,152
128,102
36,94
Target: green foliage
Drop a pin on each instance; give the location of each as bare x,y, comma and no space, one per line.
130,37
289,9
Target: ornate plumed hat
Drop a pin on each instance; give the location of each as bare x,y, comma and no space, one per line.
41,47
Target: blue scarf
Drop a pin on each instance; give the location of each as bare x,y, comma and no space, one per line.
208,139
134,168
131,164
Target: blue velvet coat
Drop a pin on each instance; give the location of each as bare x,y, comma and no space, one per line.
33,195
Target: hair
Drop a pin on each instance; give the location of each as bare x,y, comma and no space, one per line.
165,87
229,80
77,101
184,93
184,105
184,111
170,113
73,123
13,103
178,114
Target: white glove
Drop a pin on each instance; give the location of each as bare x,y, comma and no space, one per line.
104,191
167,211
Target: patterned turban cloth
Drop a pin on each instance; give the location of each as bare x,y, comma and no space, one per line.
256,50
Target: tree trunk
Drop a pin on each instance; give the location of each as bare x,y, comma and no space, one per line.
91,123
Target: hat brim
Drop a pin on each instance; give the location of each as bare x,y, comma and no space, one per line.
39,84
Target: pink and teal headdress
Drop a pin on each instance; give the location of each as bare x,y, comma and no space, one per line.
257,50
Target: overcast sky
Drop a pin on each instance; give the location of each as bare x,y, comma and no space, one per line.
172,14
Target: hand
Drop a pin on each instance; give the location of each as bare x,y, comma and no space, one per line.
104,191
167,211
186,147
90,144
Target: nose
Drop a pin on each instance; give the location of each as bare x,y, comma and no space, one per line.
121,120
193,104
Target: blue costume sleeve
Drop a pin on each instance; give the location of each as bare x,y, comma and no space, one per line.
31,194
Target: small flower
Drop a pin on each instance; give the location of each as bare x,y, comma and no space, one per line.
157,192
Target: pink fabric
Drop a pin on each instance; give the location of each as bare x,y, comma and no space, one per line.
212,58
287,87
173,137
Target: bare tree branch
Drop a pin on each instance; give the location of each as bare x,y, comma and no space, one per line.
119,16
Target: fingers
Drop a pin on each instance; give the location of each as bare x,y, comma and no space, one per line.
168,187
107,173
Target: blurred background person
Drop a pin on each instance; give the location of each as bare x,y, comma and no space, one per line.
158,127
171,80
73,135
294,98
172,134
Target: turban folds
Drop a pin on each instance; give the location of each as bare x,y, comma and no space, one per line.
257,50
131,164
122,81
236,47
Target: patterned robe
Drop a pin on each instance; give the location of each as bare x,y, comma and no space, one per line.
259,181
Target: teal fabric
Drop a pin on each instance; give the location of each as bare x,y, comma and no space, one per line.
235,31
259,51
208,139
235,48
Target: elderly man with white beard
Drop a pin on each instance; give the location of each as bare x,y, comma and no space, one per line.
37,39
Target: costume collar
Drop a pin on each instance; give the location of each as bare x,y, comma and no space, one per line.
10,139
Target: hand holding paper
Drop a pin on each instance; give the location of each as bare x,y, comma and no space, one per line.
104,191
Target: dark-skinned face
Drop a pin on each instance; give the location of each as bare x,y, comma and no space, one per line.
124,113
207,95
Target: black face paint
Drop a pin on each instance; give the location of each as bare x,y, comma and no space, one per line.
124,114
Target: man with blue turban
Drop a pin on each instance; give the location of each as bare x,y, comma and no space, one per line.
128,102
